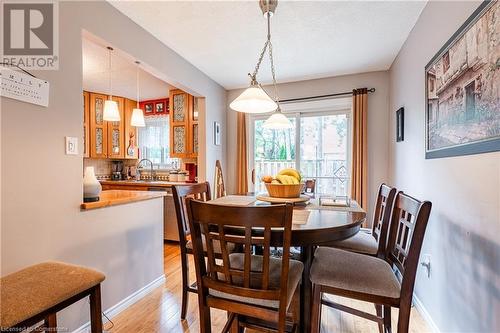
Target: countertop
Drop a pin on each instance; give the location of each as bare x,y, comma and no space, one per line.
154,183
120,197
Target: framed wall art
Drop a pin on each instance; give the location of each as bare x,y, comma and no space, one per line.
216,133
400,125
462,89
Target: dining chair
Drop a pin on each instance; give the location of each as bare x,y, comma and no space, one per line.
255,290
373,241
387,282
199,191
220,188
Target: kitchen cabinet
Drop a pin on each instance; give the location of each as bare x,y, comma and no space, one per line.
183,125
130,132
86,130
109,139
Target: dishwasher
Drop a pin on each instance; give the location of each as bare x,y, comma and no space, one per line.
170,230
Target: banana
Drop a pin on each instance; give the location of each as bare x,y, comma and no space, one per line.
291,172
283,179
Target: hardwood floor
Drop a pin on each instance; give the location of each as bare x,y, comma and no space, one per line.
159,311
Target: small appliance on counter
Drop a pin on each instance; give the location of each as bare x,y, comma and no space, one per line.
116,170
192,170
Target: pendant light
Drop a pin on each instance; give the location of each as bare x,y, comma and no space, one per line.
277,121
137,114
111,112
255,99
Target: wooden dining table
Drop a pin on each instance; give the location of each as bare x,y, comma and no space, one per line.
312,225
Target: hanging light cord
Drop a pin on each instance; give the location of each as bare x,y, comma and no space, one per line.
137,62
110,80
268,45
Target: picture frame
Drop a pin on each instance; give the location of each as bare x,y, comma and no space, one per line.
148,108
159,107
400,124
217,133
462,108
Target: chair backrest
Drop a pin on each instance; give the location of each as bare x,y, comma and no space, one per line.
382,216
199,191
246,226
220,189
408,223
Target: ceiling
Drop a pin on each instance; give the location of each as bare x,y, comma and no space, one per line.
124,75
312,39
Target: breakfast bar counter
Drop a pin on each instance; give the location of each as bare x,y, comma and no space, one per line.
120,197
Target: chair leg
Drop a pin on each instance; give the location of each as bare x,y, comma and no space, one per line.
387,319
378,309
316,309
404,318
50,323
185,284
95,310
205,321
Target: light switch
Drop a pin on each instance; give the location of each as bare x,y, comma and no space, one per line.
71,145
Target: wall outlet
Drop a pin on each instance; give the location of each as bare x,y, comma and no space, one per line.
426,262
71,145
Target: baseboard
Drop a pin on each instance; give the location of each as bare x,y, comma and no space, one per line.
425,314
126,302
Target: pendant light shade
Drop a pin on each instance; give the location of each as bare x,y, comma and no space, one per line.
111,112
277,121
253,100
137,118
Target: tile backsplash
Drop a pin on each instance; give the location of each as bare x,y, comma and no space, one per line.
102,167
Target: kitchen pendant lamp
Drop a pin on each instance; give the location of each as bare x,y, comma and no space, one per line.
111,112
137,114
255,99
277,121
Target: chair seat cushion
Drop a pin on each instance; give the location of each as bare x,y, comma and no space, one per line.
354,272
34,289
216,243
295,269
362,242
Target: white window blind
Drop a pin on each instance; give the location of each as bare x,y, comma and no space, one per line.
154,142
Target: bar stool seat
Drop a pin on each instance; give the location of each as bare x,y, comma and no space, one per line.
35,290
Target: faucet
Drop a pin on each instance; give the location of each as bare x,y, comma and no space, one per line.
151,163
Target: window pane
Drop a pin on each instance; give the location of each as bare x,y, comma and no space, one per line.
154,141
324,152
273,150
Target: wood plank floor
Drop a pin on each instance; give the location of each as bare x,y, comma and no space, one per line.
159,311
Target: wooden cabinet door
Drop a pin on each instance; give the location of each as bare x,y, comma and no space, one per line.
86,129
131,149
98,127
116,129
194,112
179,123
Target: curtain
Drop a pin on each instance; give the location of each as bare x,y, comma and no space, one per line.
153,141
359,147
241,155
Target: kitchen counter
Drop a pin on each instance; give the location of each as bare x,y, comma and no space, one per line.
154,183
120,197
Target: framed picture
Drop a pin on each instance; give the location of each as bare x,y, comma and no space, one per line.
160,107
216,133
462,89
400,125
148,107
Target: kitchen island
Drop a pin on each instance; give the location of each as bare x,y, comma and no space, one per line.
120,197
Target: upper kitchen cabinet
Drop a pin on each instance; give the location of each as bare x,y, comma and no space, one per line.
86,129
116,129
98,127
131,149
183,125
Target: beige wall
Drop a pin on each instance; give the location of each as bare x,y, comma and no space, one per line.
462,293
42,187
378,123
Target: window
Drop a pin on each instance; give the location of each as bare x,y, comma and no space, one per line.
154,142
323,154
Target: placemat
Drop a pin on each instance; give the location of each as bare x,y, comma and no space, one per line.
300,216
234,200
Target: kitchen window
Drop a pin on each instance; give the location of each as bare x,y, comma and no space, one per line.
319,145
154,142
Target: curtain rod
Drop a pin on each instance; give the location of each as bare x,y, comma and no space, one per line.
349,93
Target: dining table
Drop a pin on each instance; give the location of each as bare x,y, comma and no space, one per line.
312,225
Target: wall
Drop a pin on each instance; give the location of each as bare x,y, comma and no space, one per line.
463,291
42,187
378,125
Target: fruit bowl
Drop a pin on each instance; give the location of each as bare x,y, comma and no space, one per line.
284,190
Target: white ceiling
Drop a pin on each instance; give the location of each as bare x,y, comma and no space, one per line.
312,39
96,74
